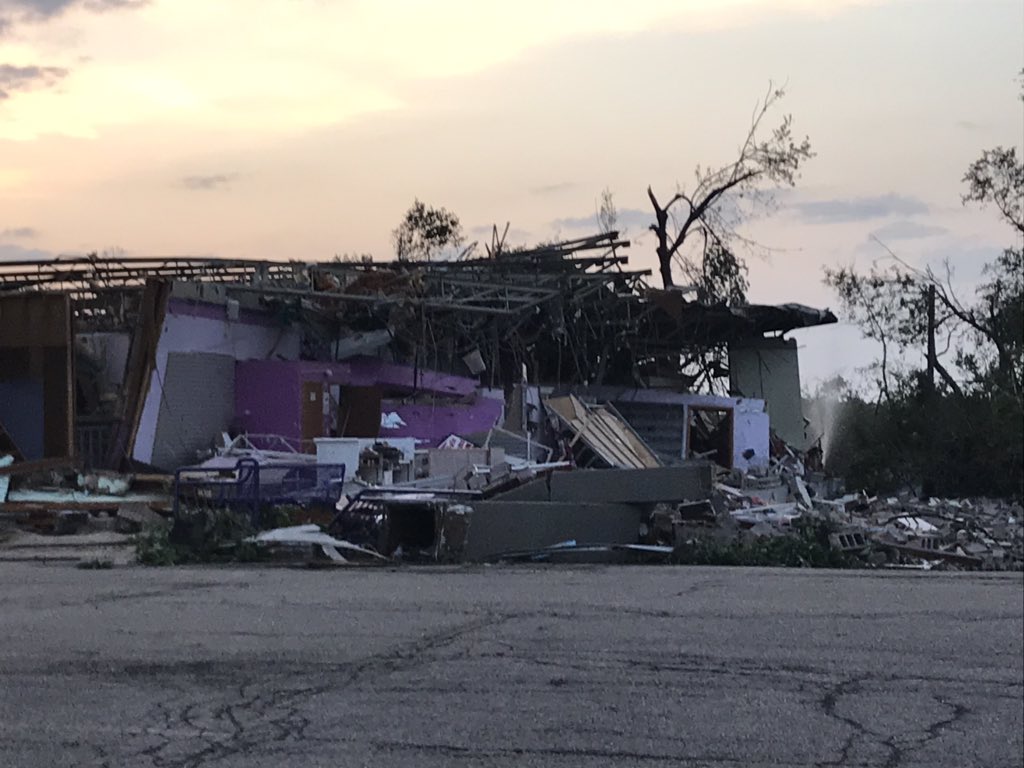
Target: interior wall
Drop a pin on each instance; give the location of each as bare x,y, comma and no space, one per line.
189,328
37,374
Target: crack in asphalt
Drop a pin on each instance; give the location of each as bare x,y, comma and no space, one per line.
895,745
263,713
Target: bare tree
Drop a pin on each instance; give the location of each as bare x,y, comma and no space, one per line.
607,213
713,207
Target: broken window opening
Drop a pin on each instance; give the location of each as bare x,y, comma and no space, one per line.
410,527
710,434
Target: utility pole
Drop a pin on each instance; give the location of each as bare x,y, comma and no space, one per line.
928,481
931,341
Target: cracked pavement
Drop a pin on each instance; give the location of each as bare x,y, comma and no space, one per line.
496,666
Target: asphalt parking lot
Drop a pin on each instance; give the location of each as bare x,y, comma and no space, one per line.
509,666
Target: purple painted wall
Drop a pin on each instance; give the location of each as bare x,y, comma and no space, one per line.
218,311
369,371
268,397
433,423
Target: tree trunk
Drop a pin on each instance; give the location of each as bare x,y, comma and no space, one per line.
664,254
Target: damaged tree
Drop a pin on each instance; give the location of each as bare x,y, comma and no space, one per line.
975,347
712,211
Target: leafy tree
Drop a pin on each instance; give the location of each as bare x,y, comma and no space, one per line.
425,232
711,212
965,436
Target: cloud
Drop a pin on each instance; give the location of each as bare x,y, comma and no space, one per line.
19,233
10,252
550,189
971,126
43,10
853,209
14,78
627,218
208,182
484,233
908,230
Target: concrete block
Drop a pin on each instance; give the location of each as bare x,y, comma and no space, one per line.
447,462
499,526
535,490
687,482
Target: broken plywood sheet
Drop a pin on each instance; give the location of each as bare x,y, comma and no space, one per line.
605,432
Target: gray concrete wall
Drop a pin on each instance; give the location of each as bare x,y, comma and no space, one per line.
198,404
769,369
500,526
687,482
535,490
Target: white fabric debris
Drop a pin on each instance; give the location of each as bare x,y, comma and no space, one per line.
391,421
311,534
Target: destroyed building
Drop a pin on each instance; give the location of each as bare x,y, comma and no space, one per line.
128,362
463,409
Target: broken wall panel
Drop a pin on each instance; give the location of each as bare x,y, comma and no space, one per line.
601,430
769,369
138,371
669,435
37,393
195,327
198,404
499,526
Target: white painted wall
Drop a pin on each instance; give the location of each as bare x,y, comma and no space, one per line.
188,333
750,430
750,425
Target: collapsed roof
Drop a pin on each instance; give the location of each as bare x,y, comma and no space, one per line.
571,312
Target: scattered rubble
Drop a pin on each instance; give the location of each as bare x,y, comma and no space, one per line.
786,503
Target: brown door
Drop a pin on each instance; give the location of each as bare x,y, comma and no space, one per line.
312,410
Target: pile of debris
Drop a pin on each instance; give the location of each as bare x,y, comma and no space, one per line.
53,511
790,502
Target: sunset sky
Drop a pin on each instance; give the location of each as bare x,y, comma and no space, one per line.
304,128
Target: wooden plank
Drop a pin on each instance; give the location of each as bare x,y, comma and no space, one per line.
34,320
640,447
603,434
139,369
613,441
41,465
604,431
